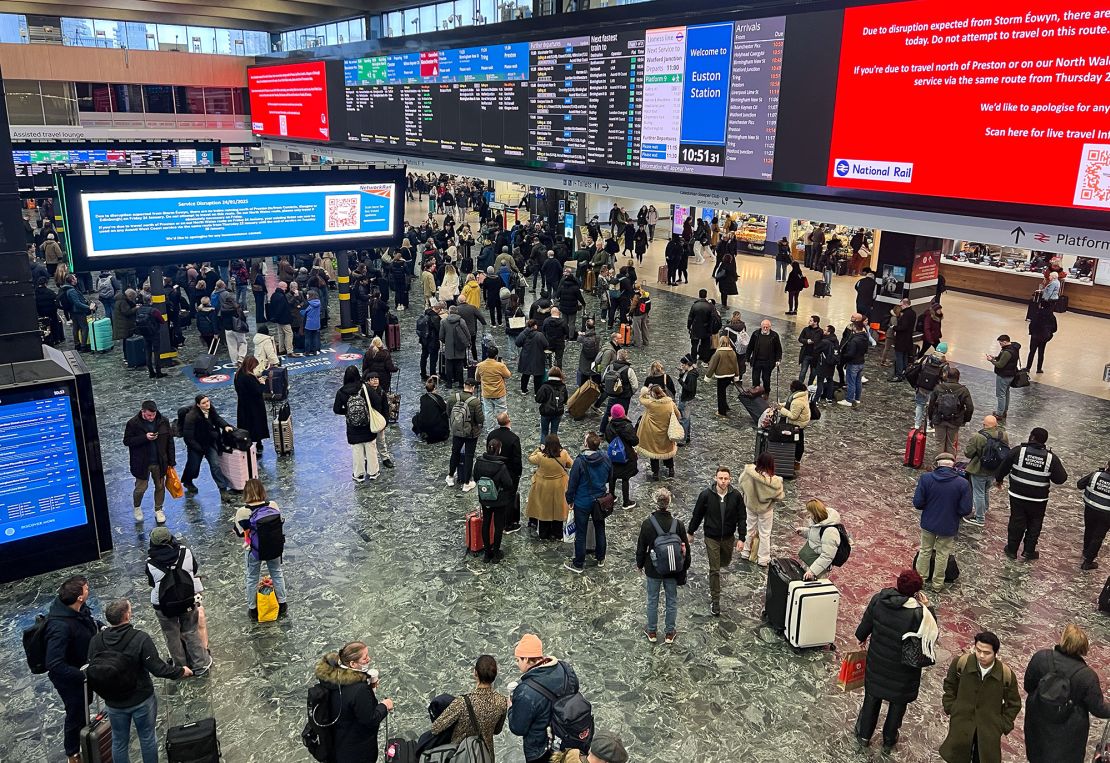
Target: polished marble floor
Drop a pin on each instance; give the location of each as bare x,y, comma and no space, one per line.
384,562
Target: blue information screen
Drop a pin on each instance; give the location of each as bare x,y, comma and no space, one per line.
40,473
151,222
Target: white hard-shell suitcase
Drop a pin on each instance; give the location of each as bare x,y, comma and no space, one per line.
811,611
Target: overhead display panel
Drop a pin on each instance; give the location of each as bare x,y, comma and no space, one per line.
691,99
290,100
1001,100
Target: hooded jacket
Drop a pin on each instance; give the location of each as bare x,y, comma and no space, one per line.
760,491
454,336
143,452
140,648
530,711
589,478
623,428
356,709
1050,741
942,497
266,353
552,397
311,313
962,393
68,634
823,543
884,622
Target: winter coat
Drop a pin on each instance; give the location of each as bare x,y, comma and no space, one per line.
557,332
1042,325
974,449
266,353
311,315
471,294
967,407
530,711
570,295
352,701
141,455
123,318
431,419
1047,741
764,348
795,281
277,308
67,642
589,346
942,497
654,442
454,337
491,374
978,707
381,363
796,409
510,449
201,432
496,469
552,397
646,541
251,409
931,328
725,276
884,621
208,322
622,428
700,320
355,434
589,478
903,330
723,364
547,499
532,344
823,543
760,491
139,646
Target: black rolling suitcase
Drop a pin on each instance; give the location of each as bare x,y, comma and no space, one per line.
782,451
780,574
206,362
134,351
193,743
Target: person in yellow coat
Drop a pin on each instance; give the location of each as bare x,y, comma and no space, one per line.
472,292
547,502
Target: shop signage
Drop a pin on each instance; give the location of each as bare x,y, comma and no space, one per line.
926,267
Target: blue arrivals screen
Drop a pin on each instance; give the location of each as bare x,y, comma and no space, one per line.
40,473
152,222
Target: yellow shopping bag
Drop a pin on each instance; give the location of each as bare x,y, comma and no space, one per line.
267,601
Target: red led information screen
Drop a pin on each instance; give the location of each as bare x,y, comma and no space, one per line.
290,101
996,100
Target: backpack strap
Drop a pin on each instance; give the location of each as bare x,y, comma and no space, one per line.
655,524
473,719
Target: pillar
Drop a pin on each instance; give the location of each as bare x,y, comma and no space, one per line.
158,300
905,266
347,326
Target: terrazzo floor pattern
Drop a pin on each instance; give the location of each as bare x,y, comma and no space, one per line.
384,562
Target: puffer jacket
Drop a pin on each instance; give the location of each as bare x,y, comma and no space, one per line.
357,710
796,409
884,622
530,711
823,543
532,344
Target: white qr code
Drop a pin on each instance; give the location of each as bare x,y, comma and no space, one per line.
1092,187
342,213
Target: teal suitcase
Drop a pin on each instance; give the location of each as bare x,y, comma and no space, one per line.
100,335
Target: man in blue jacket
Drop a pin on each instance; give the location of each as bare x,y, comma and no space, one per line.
589,480
942,497
529,710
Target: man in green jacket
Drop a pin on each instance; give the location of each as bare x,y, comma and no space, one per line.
981,700
981,476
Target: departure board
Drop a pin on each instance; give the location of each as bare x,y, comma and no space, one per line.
688,99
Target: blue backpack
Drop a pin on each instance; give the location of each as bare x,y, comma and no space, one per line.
617,452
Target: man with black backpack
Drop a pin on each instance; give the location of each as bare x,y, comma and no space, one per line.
949,408
175,589
148,325
618,384
466,421
986,449
547,698
663,555
925,375
122,659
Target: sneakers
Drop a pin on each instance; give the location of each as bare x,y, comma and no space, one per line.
513,528
360,480
715,609
974,521
600,562
570,566
930,429
845,403
189,487
138,513
669,638
469,486
450,480
387,463
652,636
160,516
863,379
373,476
201,672
631,505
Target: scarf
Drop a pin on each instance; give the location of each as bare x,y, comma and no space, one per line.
928,631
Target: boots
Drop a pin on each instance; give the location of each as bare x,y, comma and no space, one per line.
282,610
797,467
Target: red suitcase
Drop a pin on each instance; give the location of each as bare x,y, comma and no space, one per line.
474,542
393,337
915,448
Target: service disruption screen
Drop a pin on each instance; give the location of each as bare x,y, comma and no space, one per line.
690,99
40,471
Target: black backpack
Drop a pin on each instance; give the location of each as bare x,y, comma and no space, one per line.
949,410
422,326
844,550
318,734
266,527
176,593
111,673
34,645
994,452
1053,693
572,717
930,374
145,324
179,423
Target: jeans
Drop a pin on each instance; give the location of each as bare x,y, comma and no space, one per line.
828,281
462,457
685,416
491,406
1096,523
192,467
549,425
582,515
780,270
110,306
853,374
429,359
183,640
155,473
364,459
145,715
254,572
311,341
719,553
901,360
869,717
825,387
942,545
1002,394
920,400
670,605
759,526
807,369
980,494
